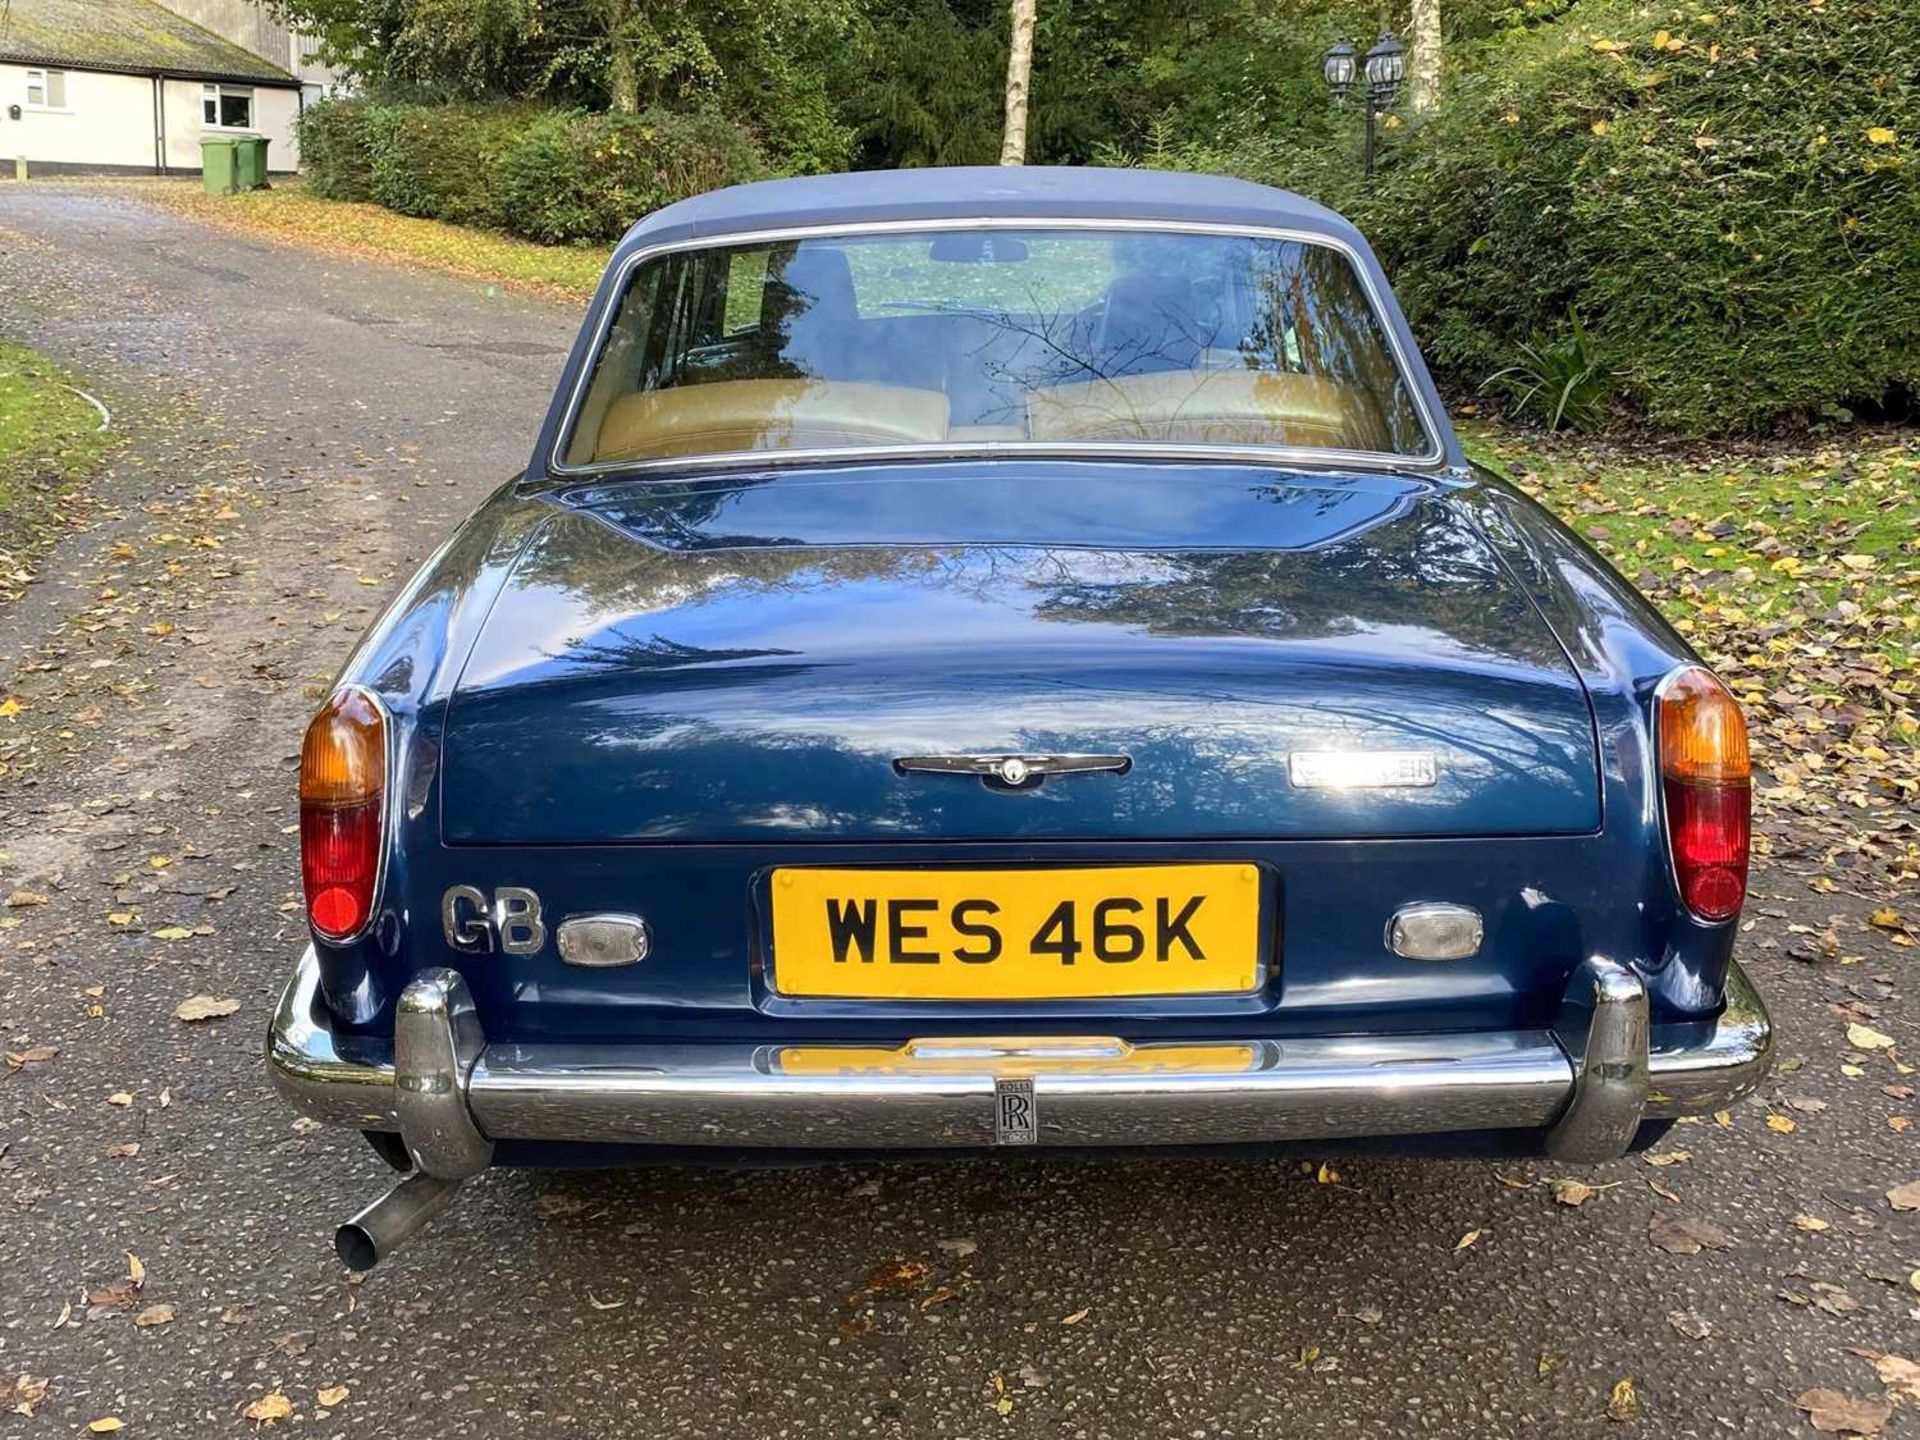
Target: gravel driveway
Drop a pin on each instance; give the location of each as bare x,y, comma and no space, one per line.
304,429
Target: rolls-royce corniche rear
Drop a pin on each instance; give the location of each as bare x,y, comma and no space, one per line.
1010,658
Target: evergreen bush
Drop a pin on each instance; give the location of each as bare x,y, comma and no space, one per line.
555,176
1727,198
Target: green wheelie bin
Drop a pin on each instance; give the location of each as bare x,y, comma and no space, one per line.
250,162
219,164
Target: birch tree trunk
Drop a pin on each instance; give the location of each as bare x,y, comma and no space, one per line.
1013,144
623,67
1424,59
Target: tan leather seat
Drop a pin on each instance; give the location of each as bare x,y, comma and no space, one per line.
1209,407
728,416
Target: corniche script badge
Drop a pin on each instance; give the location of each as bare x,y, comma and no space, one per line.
1362,769
1016,772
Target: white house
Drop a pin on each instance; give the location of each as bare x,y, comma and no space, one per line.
252,25
128,86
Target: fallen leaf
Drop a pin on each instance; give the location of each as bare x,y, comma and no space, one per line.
1832,1299
269,1408
1690,1323
125,1150
154,1315
26,1394
22,899
1077,1316
136,1271
1905,1197
1865,1037
899,1276
1622,1403
1835,1414
1685,1234
120,1097
960,1247
106,1424
1547,1364
1667,1157
1326,1174
1899,1374
1574,1193
1812,1223
173,932
331,1395
1466,1241
1781,1125
592,1300
205,1007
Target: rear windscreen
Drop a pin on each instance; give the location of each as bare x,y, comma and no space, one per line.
994,337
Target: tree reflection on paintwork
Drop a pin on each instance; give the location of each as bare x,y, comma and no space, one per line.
626,690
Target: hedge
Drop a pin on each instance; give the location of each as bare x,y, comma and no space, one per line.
1728,198
555,176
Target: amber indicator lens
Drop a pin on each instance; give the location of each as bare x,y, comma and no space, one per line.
1703,735
1706,783
343,776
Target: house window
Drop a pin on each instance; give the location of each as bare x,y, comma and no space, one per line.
226,107
46,89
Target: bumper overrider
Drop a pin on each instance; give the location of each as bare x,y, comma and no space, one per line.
1587,1081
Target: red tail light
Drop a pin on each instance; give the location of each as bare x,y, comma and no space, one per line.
343,786
1706,777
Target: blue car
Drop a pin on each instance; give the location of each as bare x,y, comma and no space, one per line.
1010,657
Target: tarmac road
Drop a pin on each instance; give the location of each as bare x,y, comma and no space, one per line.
304,429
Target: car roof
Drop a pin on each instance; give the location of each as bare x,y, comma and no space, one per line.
1038,192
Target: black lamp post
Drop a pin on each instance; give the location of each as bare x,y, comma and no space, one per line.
1381,72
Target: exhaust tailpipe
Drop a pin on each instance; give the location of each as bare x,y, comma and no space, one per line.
385,1225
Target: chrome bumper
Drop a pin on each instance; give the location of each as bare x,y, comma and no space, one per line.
1588,1082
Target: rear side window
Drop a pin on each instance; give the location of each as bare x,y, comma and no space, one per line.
995,338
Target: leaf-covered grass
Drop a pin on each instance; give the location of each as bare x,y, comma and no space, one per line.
290,212
1796,574
48,434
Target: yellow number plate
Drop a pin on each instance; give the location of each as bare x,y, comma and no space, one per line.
1016,934
912,1059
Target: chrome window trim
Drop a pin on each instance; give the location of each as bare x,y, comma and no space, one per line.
1327,458
389,823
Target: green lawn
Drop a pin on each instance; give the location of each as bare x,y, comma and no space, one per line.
48,435
1795,573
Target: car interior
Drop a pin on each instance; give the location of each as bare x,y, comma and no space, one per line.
772,348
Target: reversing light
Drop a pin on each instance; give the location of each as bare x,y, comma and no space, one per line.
343,783
1706,780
